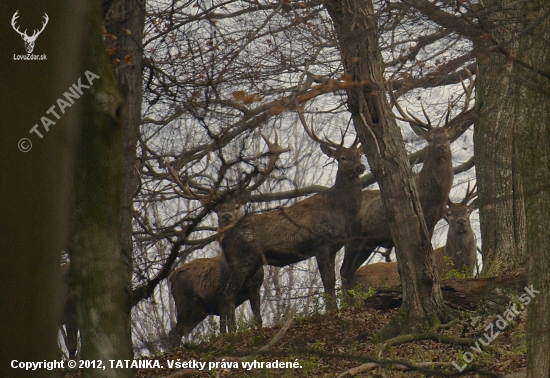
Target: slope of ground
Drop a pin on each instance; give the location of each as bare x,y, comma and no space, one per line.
330,345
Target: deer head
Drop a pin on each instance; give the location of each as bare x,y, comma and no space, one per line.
227,204
349,159
458,214
440,137
29,40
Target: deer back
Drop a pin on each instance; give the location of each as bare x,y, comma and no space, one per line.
203,279
291,234
379,276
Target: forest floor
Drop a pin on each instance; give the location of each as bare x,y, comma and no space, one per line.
330,345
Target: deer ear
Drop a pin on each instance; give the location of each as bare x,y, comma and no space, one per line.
474,205
422,133
243,197
330,152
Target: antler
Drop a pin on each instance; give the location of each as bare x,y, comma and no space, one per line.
187,192
466,109
470,194
408,116
274,151
324,142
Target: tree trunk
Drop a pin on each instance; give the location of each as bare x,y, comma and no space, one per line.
123,16
35,185
356,29
99,267
532,115
502,214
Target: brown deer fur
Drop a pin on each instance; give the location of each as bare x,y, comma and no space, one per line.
317,226
196,286
460,249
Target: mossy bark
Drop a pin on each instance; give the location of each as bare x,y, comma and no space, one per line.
502,213
532,116
356,28
101,274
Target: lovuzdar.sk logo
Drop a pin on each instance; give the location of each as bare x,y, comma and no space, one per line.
29,39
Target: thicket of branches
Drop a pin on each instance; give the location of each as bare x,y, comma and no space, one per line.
219,74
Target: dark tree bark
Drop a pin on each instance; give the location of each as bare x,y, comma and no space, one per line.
99,267
532,116
123,16
35,185
502,214
356,29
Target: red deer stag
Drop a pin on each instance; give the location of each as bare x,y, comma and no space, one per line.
460,252
317,226
196,286
433,183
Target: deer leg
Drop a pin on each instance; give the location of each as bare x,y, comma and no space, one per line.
255,304
355,255
325,262
240,272
186,321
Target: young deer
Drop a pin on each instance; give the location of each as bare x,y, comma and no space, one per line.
460,252
433,183
317,226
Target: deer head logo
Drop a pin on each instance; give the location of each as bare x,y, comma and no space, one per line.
29,40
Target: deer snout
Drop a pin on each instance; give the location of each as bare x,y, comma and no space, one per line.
461,224
360,168
227,217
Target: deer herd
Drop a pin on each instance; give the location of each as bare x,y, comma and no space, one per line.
343,216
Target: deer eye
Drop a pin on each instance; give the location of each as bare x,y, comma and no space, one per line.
343,158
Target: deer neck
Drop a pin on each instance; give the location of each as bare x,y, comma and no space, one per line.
434,182
463,242
346,194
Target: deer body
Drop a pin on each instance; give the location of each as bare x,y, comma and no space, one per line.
317,226
371,228
196,288
460,248
461,244
433,184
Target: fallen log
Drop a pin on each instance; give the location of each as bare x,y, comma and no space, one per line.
459,293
